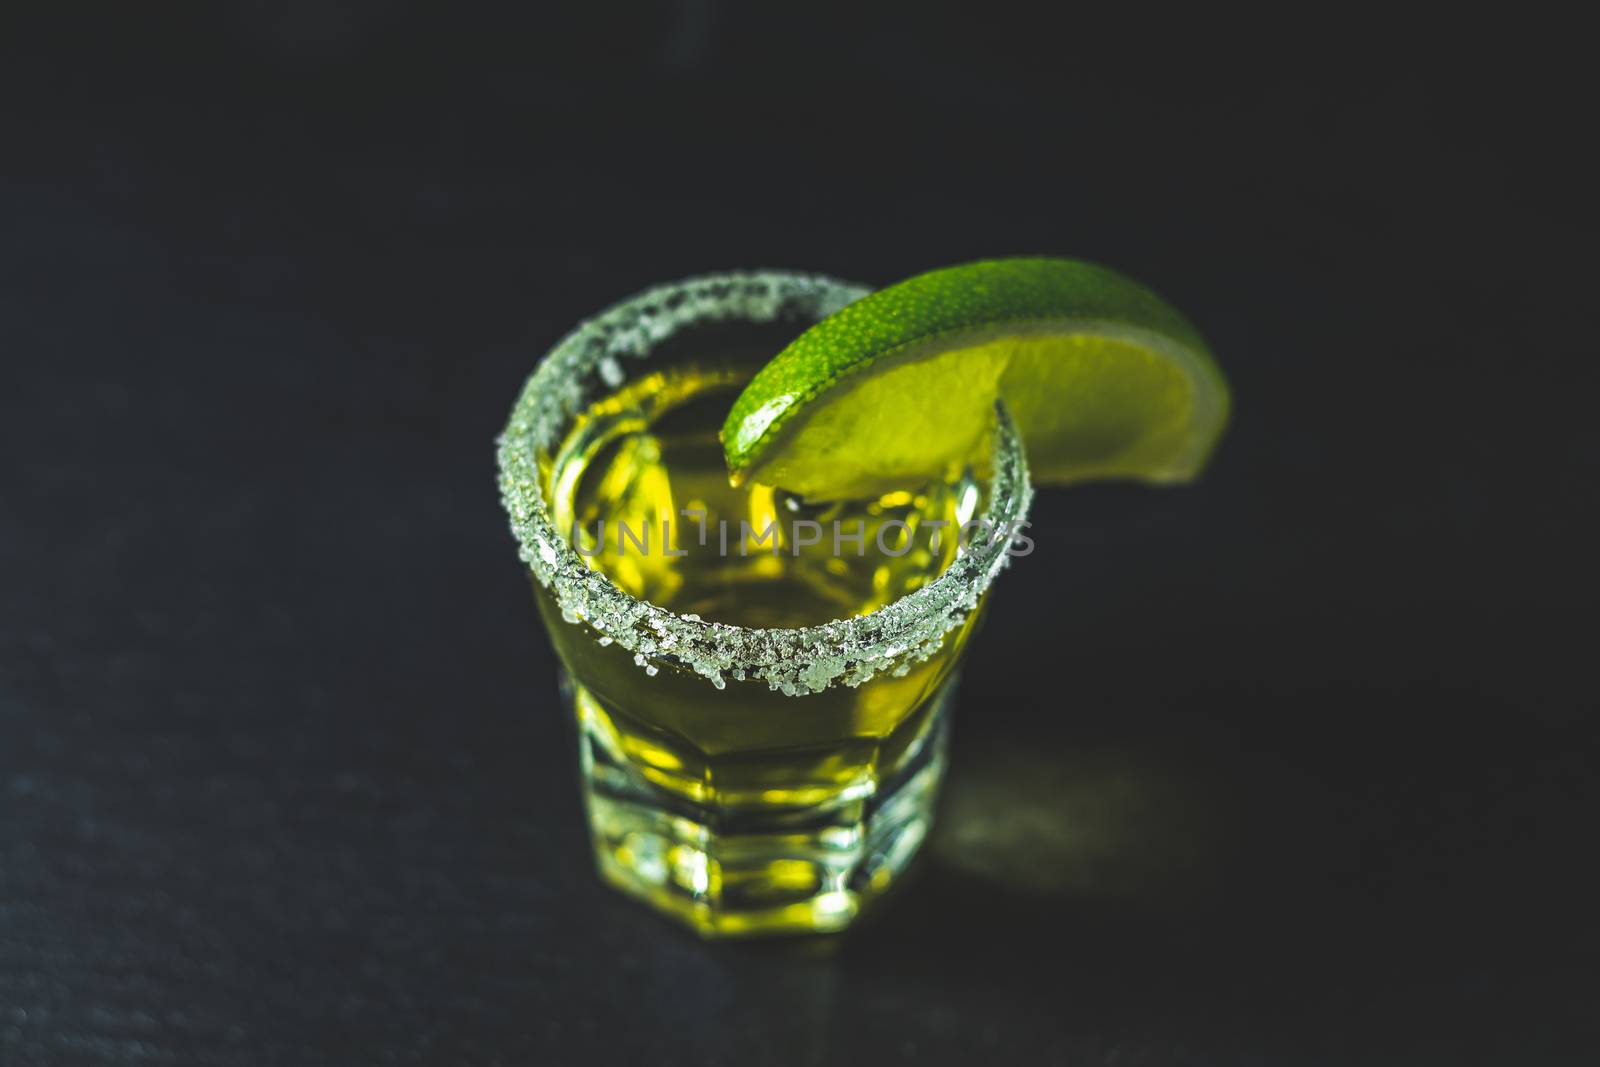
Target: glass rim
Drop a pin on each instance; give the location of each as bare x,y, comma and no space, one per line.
797,660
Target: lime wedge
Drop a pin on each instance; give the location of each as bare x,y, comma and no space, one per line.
1104,379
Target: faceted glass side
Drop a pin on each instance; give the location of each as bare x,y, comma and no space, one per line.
731,869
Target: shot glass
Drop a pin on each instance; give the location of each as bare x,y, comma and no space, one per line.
743,779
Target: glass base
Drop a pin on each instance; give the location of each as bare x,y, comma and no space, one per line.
738,866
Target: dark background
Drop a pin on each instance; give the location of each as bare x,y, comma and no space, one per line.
1294,766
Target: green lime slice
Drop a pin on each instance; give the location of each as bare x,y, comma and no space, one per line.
1104,379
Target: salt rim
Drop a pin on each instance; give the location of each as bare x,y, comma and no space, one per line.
794,661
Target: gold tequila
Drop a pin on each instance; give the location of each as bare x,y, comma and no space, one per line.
641,486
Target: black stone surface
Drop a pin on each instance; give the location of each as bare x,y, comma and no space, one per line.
1295,766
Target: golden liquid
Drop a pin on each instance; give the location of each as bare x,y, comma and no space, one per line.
743,758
